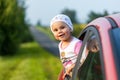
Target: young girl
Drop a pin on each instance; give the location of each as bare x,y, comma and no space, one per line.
69,46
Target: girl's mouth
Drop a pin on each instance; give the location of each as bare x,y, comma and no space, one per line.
61,35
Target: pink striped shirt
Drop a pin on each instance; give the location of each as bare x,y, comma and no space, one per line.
69,54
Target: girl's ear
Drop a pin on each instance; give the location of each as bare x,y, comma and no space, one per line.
71,31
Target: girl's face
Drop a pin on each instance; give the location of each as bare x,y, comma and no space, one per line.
61,31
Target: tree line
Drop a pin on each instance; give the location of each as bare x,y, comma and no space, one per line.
73,16
91,16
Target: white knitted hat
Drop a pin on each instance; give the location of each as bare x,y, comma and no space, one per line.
63,18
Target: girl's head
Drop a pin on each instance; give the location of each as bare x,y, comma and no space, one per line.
61,26
61,18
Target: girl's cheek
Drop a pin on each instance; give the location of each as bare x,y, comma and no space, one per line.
56,37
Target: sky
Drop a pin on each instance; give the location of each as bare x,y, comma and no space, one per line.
45,10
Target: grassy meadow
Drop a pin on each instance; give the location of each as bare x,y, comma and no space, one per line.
31,63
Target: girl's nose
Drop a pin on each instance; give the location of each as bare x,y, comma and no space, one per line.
59,31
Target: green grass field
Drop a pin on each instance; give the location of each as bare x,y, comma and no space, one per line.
31,63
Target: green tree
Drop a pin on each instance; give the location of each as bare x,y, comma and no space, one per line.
71,14
93,15
13,27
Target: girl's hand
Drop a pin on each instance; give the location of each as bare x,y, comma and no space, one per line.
68,72
64,76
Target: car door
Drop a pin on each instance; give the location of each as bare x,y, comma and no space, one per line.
89,65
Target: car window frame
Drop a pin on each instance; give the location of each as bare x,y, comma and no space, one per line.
115,38
84,35
115,46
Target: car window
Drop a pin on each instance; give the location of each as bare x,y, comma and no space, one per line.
90,61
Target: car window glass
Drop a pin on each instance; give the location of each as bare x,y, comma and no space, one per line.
90,63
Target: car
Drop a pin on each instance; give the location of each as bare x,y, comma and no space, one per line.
103,64
99,56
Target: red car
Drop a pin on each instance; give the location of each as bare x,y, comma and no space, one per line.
99,60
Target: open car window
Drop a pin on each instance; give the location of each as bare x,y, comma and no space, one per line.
89,63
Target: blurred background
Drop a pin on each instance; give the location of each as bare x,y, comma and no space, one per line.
21,56
43,11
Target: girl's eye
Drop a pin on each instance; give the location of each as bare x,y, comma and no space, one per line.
62,27
55,30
